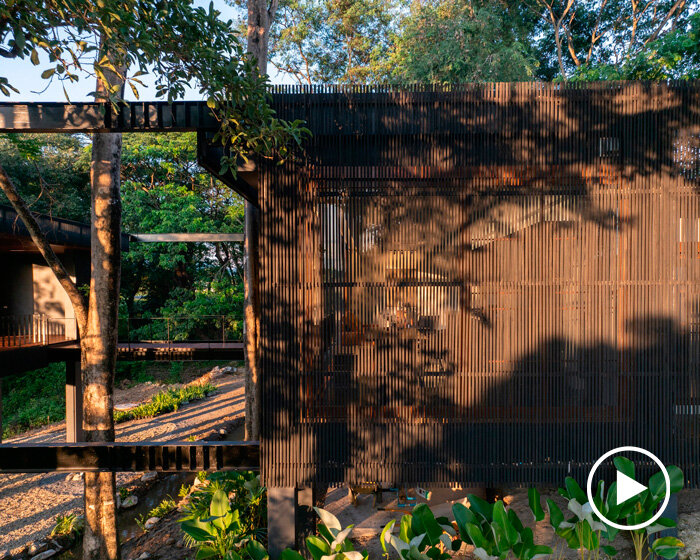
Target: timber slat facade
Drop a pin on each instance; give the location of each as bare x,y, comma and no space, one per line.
489,284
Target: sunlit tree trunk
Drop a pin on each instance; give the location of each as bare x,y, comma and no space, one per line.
99,344
261,14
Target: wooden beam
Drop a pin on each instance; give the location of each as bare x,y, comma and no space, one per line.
129,457
187,237
209,157
146,116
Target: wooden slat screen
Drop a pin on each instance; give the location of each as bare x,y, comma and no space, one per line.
487,284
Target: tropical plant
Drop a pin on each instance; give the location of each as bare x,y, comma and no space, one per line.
246,496
331,543
642,508
495,533
221,534
583,530
68,524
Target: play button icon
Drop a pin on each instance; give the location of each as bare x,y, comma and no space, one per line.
627,488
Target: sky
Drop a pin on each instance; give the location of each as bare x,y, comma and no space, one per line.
26,77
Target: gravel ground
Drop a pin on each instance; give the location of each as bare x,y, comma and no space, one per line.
29,503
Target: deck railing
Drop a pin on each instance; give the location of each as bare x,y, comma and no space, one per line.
35,330
180,329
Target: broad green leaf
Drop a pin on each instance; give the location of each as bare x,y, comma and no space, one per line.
340,537
329,520
289,554
609,550
667,547
399,545
556,517
501,517
317,547
624,465
385,535
219,508
462,516
476,537
405,531
534,501
661,524
538,551
426,520
256,550
480,507
575,491
206,551
196,531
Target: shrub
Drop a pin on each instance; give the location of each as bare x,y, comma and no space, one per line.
165,401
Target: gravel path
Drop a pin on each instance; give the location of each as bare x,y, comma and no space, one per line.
29,503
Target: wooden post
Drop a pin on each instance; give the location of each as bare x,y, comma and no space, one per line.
74,403
281,520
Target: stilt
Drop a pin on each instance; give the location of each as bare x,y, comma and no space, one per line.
281,520
74,403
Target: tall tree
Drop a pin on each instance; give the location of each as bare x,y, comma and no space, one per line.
574,34
261,14
181,44
458,41
333,41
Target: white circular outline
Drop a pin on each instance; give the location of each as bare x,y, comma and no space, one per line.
615,451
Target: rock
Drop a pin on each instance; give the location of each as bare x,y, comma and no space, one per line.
44,555
4,554
227,369
222,432
151,522
144,556
36,548
170,541
129,501
149,476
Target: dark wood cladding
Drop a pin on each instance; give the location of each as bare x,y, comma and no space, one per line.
489,284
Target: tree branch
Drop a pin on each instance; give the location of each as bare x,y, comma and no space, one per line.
79,304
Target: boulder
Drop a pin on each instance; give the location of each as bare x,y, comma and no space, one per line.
151,522
149,476
129,501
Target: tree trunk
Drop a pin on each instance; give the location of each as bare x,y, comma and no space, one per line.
260,17
251,310
99,344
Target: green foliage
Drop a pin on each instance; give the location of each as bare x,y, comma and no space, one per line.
161,510
247,496
33,399
180,44
165,401
642,508
331,543
455,41
676,55
333,41
225,518
68,524
50,171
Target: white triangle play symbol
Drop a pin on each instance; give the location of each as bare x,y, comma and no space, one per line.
627,487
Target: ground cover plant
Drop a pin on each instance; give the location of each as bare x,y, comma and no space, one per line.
168,400
33,399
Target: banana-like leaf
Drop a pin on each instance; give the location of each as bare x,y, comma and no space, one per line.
340,537
667,547
534,501
317,547
329,520
385,535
